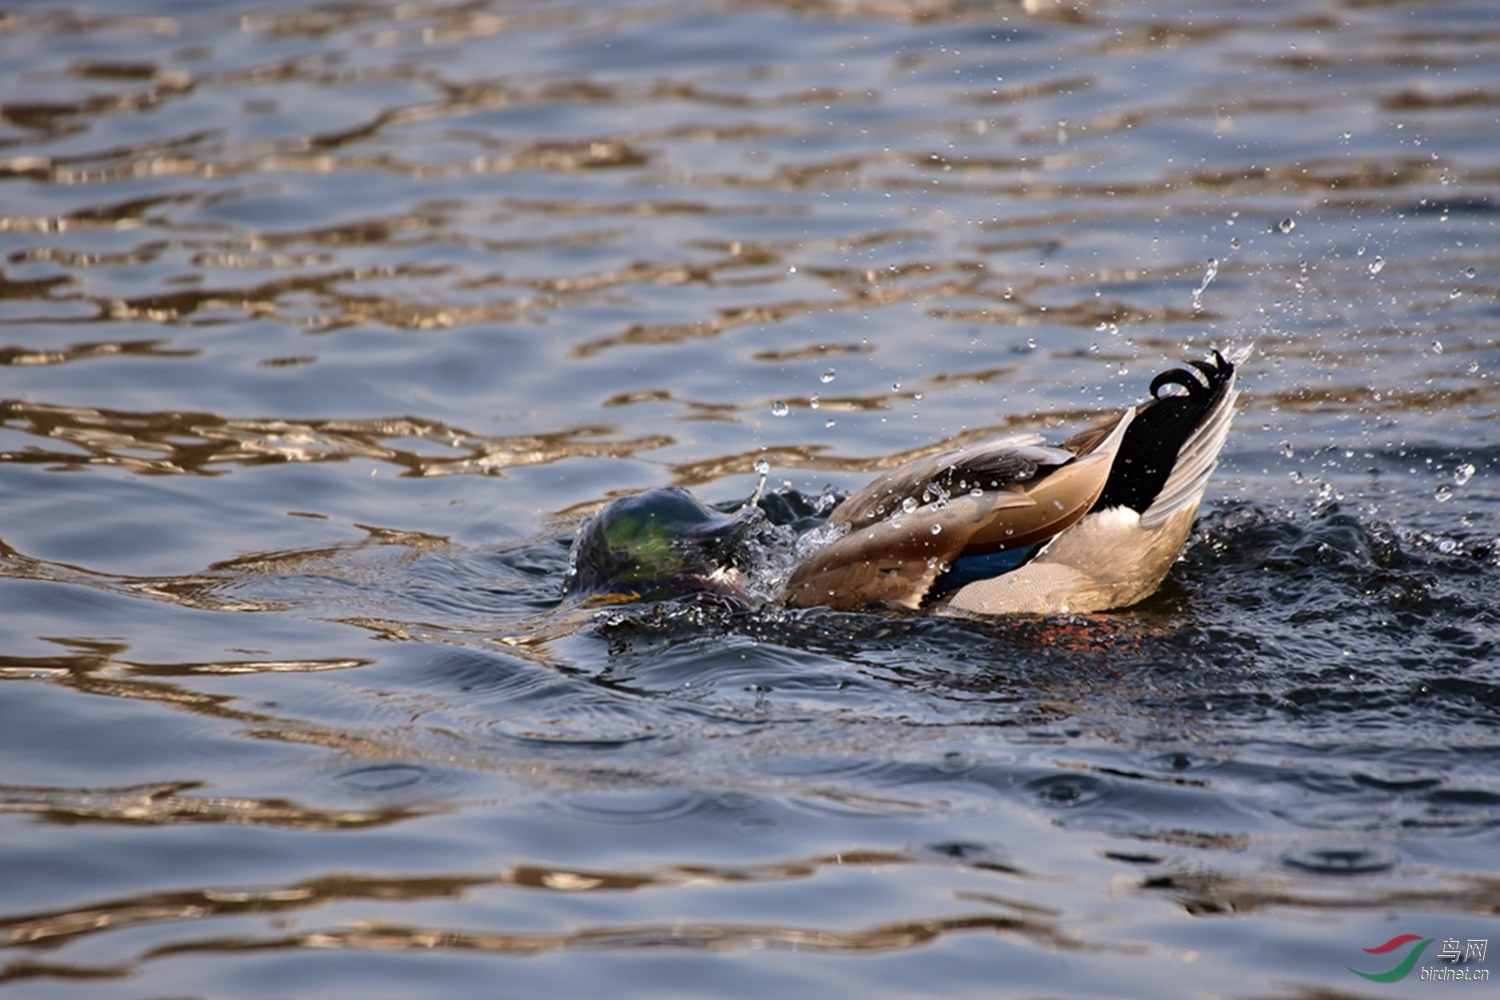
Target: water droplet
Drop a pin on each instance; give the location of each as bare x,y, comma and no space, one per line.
1463,473
829,422
1031,343
1286,225
895,386
1286,449
1376,266
909,504
937,529
1469,272
1234,244
762,467
828,376
1209,274
1437,347
814,402
780,409
1443,494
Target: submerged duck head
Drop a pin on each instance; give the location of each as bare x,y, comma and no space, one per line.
655,545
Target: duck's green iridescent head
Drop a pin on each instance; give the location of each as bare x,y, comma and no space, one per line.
654,545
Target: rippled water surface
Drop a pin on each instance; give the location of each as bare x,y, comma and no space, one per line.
322,326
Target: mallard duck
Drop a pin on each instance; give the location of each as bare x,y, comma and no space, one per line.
1015,526
1004,527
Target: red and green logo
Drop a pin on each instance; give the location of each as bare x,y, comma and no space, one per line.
1402,967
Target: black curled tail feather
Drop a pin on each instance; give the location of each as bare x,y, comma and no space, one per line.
1161,426
1214,377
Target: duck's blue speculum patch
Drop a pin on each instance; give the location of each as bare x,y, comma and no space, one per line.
968,569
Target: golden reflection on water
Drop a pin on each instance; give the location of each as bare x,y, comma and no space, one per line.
281,906
678,935
167,803
174,442
1203,893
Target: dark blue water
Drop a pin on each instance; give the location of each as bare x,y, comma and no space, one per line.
322,328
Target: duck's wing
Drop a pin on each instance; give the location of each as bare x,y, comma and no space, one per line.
911,525
991,465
